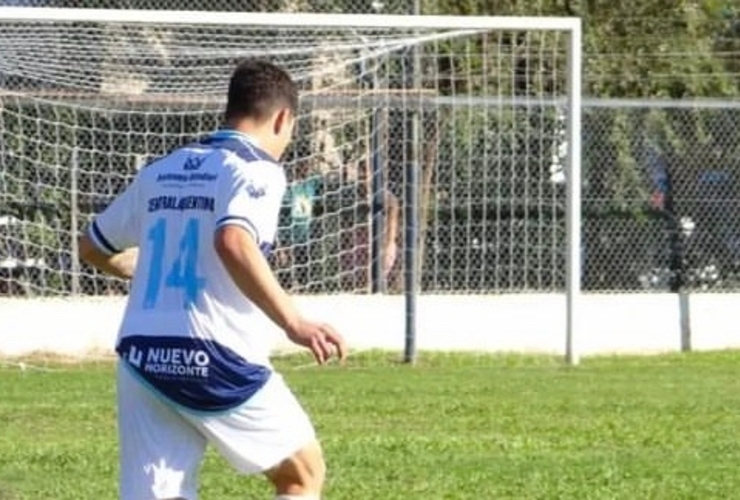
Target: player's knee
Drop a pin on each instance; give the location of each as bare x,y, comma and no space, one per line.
301,474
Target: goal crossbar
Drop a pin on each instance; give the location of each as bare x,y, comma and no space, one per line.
277,19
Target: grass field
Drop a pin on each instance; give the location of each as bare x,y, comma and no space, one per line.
452,427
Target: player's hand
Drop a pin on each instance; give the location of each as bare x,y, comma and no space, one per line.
321,339
281,257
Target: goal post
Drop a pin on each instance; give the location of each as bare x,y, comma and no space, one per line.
472,125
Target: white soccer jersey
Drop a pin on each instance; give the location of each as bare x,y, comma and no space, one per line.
187,329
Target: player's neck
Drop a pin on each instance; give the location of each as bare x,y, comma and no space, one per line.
252,138
256,133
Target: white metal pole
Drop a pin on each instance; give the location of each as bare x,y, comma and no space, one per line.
510,23
573,203
74,215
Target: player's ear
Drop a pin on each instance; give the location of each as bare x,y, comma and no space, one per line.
283,121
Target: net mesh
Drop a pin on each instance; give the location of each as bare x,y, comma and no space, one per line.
189,60
84,105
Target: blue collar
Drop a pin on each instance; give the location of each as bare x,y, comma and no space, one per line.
245,146
226,134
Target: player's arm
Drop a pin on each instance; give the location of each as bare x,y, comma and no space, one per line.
251,272
120,265
392,218
243,259
245,222
109,243
392,215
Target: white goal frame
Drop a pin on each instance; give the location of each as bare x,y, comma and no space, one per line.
570,25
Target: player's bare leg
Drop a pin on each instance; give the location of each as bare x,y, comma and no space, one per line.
301,476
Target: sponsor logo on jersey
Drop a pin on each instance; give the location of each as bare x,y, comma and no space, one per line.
173,361
195,373
206,203
191,177
193,163
255,191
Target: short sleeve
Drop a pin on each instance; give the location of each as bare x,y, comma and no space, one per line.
117,227
252,200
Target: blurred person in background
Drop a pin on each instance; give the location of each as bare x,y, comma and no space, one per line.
360,205
297,233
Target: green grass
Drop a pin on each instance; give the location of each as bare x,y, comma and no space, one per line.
452,427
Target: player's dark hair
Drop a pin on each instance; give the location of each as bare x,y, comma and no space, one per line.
257,89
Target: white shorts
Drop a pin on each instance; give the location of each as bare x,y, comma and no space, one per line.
162,445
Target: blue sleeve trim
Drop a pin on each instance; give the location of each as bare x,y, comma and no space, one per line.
267,249
239,221
100,239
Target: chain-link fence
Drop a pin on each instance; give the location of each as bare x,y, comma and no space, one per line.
659,178
660,205
661,196
659,212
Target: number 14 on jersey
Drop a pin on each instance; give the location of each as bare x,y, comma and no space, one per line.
181,267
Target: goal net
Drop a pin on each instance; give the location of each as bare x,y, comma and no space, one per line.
442,141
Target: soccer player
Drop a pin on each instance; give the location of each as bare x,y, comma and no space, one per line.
193,357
